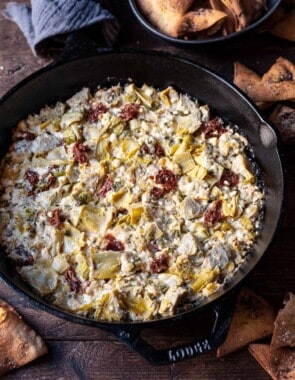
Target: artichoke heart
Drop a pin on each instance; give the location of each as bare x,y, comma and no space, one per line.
96,219
70,118
185,161
129,147
230,207
42,278
106,264
164,96
121,198
240,166
204,278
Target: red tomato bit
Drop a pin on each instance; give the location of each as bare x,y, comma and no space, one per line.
79,151
56,220
167,178
130,111
29,136
73,281
94,113
33,179
159,151
213,215
106,187
213,128
112,244
159,264
229,178
158,192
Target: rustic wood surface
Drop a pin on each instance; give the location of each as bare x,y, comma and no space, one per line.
80,352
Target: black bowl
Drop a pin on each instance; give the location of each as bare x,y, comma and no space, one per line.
271,7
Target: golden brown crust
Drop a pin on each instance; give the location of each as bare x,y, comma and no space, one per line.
252,320
19,343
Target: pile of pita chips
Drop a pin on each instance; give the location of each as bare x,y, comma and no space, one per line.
278,358
19,343
253,320
193,19
276,85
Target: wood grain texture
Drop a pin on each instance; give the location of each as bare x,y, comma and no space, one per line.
81,352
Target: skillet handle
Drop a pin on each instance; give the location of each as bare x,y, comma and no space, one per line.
223,310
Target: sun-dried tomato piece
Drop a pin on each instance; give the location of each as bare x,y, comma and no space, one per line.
33,179
229,178
29,136
24,257
96,111
79,151
112,244
130,111
47,181
144,149
159,264
213,214
158,192
167,179
106,187
213,128
159,151
56,220
73,281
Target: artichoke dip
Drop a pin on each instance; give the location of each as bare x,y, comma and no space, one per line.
130,204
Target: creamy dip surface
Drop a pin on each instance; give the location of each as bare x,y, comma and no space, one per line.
129,204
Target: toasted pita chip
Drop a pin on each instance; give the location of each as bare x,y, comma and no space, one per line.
252,320
19,344
229,23
266,91
165,14
208,20
283,118
280,365
235,7
284,330
285,27
246,80
282,71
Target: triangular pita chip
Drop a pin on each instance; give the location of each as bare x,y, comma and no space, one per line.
246,80
281,71
229,23
235,7
252,320
280,365
165,14
19,343
284,330
201,20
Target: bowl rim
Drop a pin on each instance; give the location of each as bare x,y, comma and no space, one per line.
143,21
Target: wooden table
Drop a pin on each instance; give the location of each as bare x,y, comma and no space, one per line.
80,352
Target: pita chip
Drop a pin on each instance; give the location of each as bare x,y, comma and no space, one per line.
280,364
229,23
19,343
201,20
276,85
253,319
247,80
236,9
283,117
166,15
284,330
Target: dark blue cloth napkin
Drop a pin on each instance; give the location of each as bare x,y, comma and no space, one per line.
49,21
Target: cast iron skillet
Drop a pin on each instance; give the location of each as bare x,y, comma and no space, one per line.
63,79
271,7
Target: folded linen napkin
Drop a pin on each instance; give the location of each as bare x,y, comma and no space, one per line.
46,23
